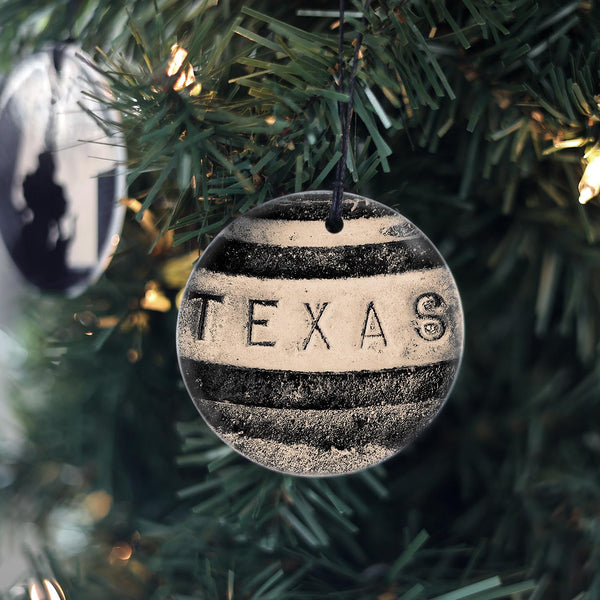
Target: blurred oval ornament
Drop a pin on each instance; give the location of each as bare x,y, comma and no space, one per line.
61,170
316,353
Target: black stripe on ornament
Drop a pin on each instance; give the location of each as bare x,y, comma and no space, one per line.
387,426
323,390
297,209
106,205
235,257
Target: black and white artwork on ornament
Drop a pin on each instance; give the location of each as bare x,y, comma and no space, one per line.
62,170
316,353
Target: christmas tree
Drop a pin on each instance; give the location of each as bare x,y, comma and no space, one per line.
477,120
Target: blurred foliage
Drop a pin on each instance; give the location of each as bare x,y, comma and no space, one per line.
471,118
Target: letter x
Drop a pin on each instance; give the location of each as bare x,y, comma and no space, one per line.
315,323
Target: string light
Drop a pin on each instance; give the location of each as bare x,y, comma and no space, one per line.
589,186
51,591
34,592
149,224
154,299
98,504
186,76
133,355
121,552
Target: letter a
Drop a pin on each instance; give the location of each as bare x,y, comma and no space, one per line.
372,326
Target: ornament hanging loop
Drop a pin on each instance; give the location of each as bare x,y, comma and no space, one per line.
334,222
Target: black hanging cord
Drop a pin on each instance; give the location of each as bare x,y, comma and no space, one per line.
72,9
334,222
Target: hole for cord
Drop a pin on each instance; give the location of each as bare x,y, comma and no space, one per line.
334,225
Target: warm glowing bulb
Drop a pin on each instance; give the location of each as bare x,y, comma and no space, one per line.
589,186
586,193
186,77
155,300
34,592
98,503
53,590
178,55
120,552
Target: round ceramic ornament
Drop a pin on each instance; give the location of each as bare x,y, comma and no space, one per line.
61,170
318,353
